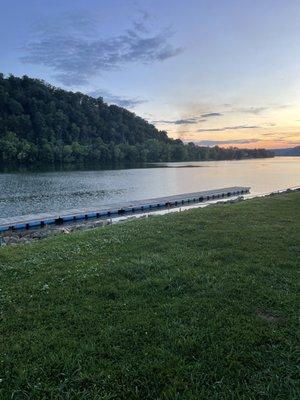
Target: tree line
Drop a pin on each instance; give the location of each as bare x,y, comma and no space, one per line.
40,123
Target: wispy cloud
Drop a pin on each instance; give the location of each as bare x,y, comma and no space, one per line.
110,98
251,110
229,128
207,142
76,56
183,121
259,109
212,114
140,26
189,120
283,106
270,134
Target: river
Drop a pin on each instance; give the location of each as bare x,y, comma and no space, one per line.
34,192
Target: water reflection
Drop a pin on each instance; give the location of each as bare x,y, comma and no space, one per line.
26,193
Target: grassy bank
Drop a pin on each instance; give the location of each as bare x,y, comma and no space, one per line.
196,305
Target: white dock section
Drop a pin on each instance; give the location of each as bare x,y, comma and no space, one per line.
40,220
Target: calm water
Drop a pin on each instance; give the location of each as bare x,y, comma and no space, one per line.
26,193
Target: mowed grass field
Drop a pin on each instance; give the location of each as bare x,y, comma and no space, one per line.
200,304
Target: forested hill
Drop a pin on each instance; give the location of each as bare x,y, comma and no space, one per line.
40,123
293,151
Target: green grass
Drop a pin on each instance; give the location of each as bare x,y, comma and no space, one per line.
195,305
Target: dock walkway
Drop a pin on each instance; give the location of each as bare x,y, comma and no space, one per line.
40,220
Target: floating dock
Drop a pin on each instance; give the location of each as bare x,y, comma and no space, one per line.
40,220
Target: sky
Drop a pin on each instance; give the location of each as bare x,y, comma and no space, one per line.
215,72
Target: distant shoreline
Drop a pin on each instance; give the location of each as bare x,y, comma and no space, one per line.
56,167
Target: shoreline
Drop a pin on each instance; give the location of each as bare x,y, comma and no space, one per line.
70,167
13,237
86,166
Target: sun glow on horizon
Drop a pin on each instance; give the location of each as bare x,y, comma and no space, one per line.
269,127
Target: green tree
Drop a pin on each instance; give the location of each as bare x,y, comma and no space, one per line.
45,124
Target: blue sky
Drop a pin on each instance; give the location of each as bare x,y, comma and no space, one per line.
213,72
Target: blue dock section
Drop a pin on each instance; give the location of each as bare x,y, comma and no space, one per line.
40,220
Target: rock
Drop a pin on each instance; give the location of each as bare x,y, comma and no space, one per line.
240,198
102,222
79,227
27,233
41,234
11,240
64,230
26,236
98,223
24,240
59,231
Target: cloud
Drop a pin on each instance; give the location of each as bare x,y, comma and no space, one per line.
259,109
270,134
229,128
207,142
76,55
140,27
183,121
189,120
283,106
252,110
212,114
118,100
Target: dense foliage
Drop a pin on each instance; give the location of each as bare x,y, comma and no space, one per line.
41,123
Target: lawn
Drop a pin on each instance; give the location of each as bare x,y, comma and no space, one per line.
200,304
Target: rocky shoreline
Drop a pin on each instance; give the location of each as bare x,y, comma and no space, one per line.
26,236
30,235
